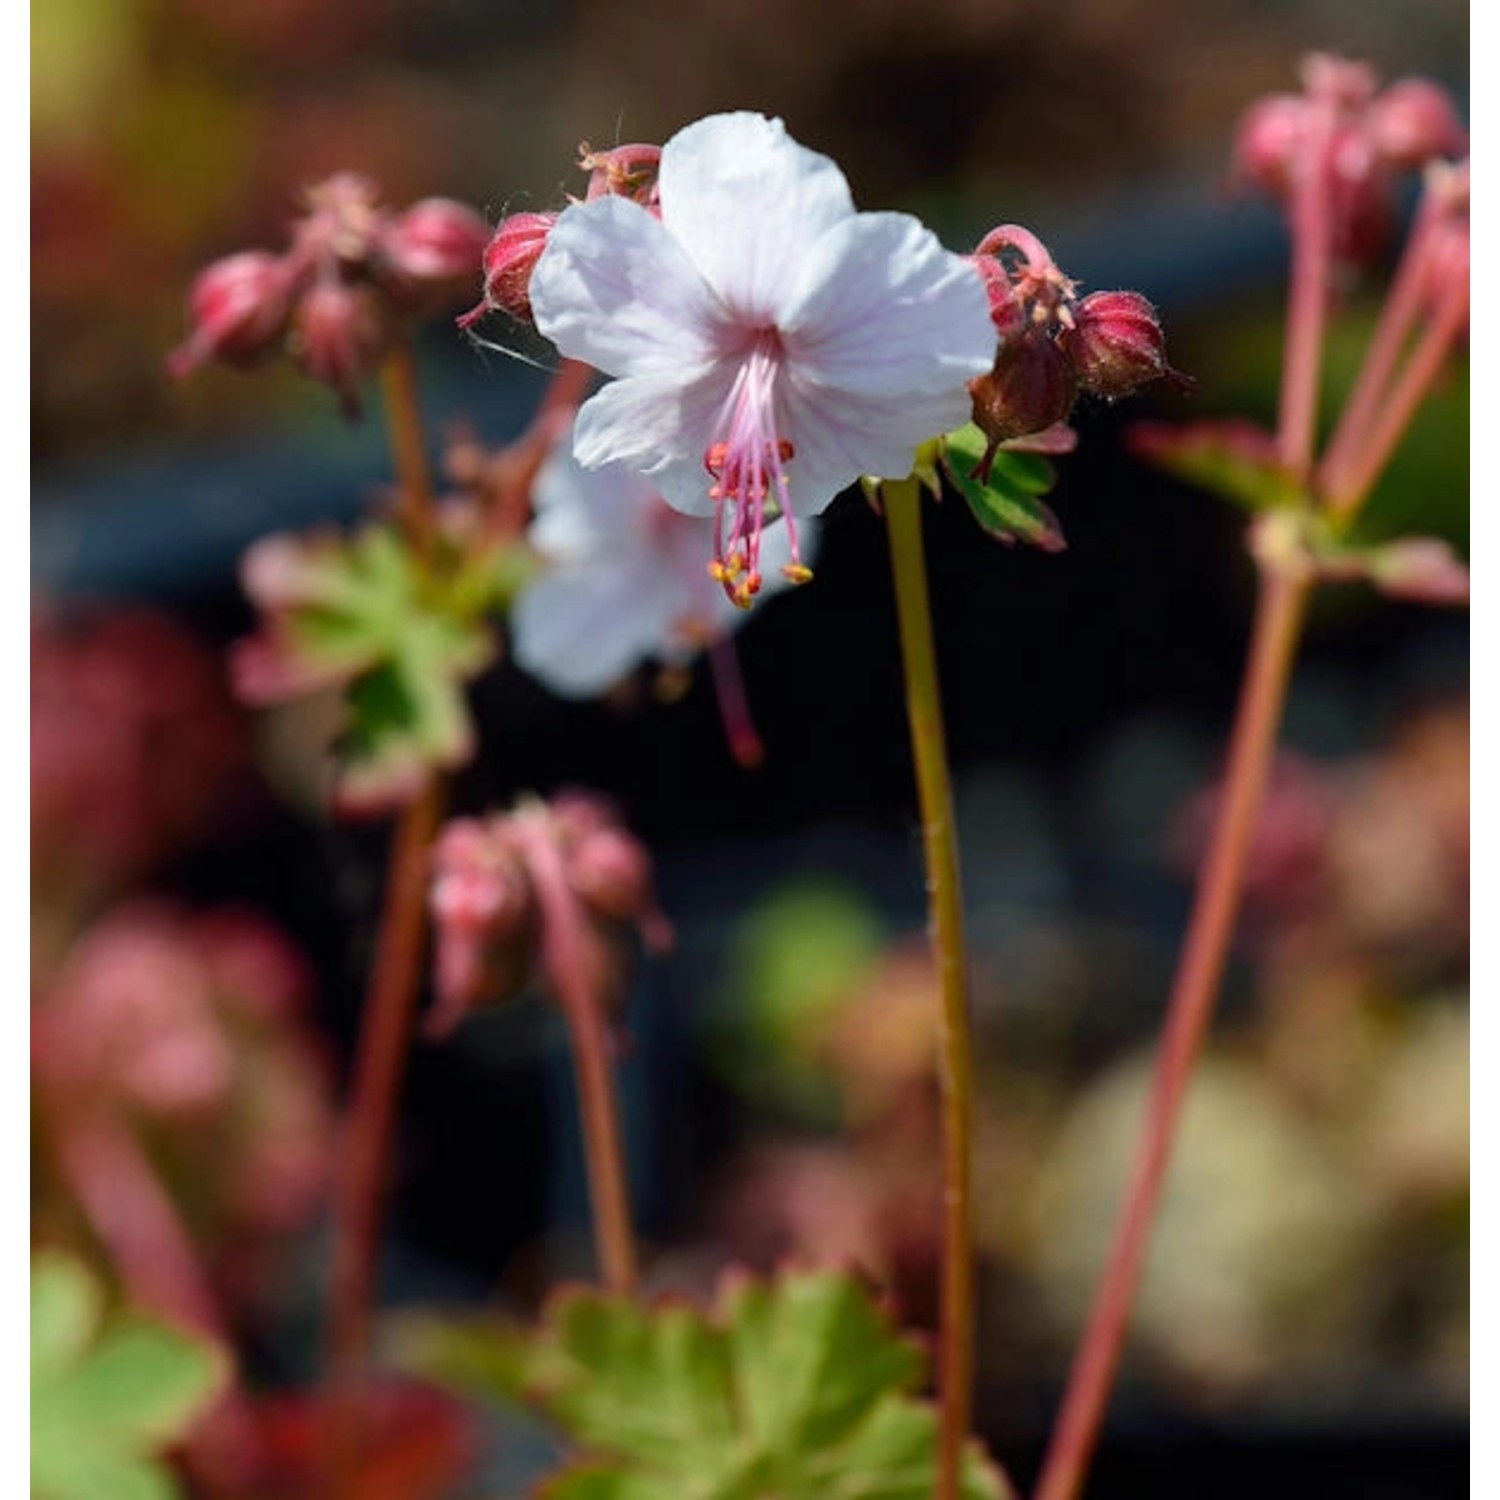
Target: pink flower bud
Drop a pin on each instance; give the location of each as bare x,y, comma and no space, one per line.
436,241
612,872
1030,387
509,260
339,336
1117,344
1269,137
624,172
1413,121
238,308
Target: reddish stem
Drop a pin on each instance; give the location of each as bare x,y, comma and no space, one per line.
1398,317
1278,623
1312,238
1352,487
565,956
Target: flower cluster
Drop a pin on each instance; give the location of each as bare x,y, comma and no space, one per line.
353,277
552,883
1054,344
1356,138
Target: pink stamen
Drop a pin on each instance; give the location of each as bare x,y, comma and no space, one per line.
747,461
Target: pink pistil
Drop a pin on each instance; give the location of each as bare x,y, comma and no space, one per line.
747,460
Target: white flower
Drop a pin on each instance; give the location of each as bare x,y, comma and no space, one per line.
625,579
772,344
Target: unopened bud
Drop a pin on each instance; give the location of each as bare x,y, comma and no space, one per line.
509,259
1414,121
1030,387
621,172
238,307
339,336
1268,140
612,872
1117,345
437,245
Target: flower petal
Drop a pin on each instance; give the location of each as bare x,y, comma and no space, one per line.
615,289
659,425
582,628
584,515
881,310
748,203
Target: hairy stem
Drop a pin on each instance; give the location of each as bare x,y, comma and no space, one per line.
903,512
565,955
1278,624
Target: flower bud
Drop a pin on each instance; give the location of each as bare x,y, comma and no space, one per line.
436,247
238,308
1268,139
622,172
1424,570
612,872
1117,344
1030,387
339,336
1413,121
509,259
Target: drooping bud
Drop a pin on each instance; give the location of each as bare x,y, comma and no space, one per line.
435,247
339,336
1031,387
1268,140
238,308
509,259
612,872
1117,344
621,172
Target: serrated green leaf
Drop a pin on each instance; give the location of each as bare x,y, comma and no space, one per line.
103,1406
794,1389
1234,459
1006,500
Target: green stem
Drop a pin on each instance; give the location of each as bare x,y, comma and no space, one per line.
902,500
1278,625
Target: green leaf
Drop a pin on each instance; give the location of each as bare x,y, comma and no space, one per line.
1233,458
105,1403
794,1389
1007,501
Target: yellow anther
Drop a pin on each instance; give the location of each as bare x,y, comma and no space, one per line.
796,572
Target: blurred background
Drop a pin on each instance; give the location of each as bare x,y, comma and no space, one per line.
1304,1322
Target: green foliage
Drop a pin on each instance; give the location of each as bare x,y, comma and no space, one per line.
1233,459
105,1403
403,632
794,1389
1007,500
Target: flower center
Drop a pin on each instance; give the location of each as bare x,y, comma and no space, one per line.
747,460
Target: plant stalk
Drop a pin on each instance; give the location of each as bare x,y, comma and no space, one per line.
565,956
1280,610
902,500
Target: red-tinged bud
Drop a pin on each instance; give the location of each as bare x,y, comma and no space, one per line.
622,172
437,245
339,336
1414,121
1335,80
238,308
1006,310
1268,140
509,259
343,220
1030,387
612,872
1117,344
